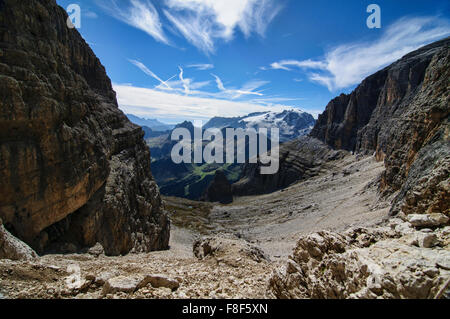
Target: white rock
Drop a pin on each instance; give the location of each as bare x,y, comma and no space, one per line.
96,250
427,220
121,284
104,276
13,248
160,281
404,228
389,268
426,240
446,231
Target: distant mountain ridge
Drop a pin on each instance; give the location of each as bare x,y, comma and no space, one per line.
292,123
154,124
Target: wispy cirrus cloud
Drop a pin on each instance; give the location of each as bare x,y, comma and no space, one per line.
219,83
176,107
149,72
201,66
140,14
349,64
183,84
184,97
248,88
288,64
202,22
90,14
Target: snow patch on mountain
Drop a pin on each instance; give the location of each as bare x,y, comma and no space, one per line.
291,123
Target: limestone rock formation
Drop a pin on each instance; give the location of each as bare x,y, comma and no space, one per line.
364,263
12,248
299,159
219,190
227,249
73,168
401,114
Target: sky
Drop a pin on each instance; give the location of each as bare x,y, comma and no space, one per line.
177,60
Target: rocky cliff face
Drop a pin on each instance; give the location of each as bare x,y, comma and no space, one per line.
219,190
73,168
401,114
299,159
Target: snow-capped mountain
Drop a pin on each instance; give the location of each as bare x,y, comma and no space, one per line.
292,123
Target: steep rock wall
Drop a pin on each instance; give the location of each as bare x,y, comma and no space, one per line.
73,168
401,114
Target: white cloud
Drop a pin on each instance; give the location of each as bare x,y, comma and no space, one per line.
185,82
201,66
219,83
167,105
199,85
202,22
140,14
247,89
349,64
285,64
197,32
147,71
182,85
90,14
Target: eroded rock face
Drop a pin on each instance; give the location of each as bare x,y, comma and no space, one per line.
299,159
364,263
73,168
219,190
401,114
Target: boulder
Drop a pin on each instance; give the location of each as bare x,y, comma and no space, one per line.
427,240
228,249
121,284
96,250
160,281
13,248
427,220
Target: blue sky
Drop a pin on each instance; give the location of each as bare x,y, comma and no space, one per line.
178,60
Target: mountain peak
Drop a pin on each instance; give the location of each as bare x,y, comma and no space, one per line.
154,124
292,123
